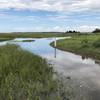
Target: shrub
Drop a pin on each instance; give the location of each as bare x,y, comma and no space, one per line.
96,44
97,30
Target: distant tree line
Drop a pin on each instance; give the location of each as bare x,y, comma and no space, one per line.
72,31
97,30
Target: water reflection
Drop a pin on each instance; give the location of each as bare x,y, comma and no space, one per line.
85,57
97,62
55,52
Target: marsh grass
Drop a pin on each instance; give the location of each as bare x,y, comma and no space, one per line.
25,76
5,39
32,35
85,45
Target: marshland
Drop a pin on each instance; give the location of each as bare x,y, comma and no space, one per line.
31,68
49,49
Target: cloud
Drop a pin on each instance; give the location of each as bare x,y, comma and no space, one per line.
51,5
57,14
87,5
85,28
40,29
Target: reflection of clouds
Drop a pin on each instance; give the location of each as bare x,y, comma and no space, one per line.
2,43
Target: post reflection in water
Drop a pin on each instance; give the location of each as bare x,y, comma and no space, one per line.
55,52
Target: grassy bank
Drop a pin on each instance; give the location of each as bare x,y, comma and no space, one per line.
85,45
25,76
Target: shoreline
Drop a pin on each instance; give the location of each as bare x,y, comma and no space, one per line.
74,45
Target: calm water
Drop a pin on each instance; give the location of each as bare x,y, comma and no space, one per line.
85,71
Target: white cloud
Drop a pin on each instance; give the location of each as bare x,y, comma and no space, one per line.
51,5
63,7
85,28
35,29
82,28
87,5
48,29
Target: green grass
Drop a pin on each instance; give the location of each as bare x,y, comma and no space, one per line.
31,35
85,45
4,39
25,76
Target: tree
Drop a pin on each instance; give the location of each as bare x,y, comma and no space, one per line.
70,31
97,30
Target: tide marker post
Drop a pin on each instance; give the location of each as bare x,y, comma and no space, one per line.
55,45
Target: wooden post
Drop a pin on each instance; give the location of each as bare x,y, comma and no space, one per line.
55,43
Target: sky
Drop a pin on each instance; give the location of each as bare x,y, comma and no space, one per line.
49,15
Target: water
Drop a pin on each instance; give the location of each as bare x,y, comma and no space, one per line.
85,71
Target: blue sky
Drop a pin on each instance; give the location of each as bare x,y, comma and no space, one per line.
49,15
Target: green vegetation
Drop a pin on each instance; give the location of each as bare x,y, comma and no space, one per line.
96,44
25,76
4,39
96,31
27,40
24,40
72,32
32,35
40,34
86,45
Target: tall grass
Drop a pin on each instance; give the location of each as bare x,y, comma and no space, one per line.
24,76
